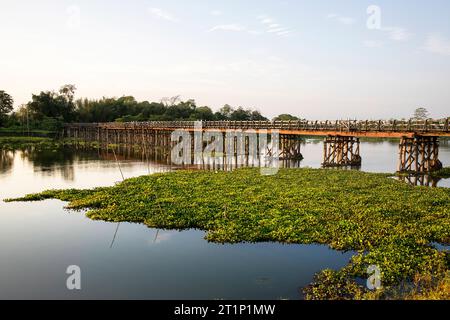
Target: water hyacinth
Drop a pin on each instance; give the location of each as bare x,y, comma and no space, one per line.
390,224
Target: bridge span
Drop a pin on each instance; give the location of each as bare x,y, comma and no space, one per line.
418,147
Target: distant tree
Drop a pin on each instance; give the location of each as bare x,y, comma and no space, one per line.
6,106
68,91
50,104
241,115
285,117
257,116
225,112
22,115
170,101
203,113
421,114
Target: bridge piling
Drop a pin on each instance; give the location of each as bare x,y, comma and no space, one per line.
418,149
341,151
290,147
419,154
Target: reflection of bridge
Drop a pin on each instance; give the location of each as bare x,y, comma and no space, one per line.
419,139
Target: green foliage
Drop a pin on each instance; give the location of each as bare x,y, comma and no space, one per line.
444,173
50,104
285,117
127,109
12,143
49,109
389,224
421,114
6,106
7,143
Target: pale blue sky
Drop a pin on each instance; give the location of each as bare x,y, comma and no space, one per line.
316,59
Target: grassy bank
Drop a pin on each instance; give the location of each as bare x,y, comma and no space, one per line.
19,131
23,141
390,224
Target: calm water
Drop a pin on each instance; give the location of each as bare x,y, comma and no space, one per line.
38,241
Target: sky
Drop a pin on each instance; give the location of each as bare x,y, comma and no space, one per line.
318,59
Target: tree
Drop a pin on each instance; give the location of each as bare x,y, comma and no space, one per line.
6,106
285,117
68,91
257,116
241,114
421,114
203,113
170,101
54,105
225,112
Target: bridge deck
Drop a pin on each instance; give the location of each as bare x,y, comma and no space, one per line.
391,128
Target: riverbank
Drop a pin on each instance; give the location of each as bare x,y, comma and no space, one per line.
390,224
13,142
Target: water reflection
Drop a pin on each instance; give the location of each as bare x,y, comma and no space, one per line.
377,156
423,180
6,160
132,261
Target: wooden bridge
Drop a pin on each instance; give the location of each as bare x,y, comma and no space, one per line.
418,148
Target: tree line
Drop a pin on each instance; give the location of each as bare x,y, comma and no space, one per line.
49,109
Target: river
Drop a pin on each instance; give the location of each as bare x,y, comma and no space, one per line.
39,240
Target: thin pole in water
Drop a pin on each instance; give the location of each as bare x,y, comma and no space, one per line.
115,234
118,164
123,178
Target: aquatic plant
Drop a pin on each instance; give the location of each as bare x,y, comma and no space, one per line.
22,141
443,173
390,224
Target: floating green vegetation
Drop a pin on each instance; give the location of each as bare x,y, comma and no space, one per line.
23,141
390,224
443,173
41,143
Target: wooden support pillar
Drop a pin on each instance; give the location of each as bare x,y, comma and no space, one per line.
340,151
290,147
419,154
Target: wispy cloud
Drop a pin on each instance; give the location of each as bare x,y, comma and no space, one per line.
161,14
228,27
341,19
273,27
435,43
397,33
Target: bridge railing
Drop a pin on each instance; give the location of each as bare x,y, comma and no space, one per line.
441,125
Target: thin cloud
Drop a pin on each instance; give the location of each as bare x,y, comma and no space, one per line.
272,27
435,43
341,19
397,33
216,13
161,14
228,27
